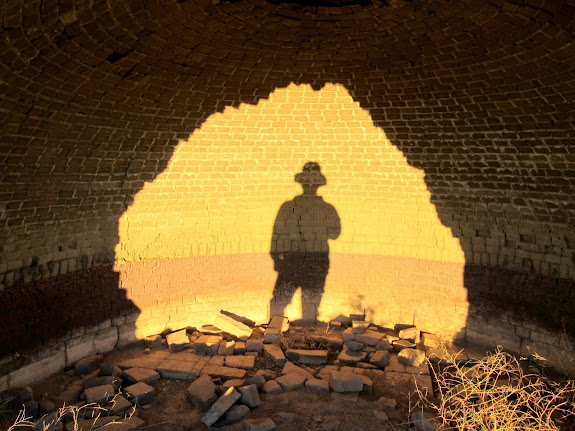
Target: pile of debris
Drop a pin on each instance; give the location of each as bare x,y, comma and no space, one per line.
234,367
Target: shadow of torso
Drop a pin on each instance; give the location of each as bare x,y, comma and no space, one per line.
300,252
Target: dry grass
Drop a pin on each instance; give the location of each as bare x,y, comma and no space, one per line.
66,414
495,394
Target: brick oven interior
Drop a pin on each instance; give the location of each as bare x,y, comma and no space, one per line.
412,161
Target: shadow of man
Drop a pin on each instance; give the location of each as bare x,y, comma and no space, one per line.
299,247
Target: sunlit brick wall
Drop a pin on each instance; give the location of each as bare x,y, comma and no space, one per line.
220,195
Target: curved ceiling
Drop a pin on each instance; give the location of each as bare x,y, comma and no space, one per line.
56,48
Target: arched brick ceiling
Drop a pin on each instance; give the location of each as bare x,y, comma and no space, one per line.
56,48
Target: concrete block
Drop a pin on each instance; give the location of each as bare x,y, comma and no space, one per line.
228,348
224,373
345,382
110,370
274,352
277,325
242,362
101,380
88,364
317,385
369,337
257,380
119,406
80,347
221,406
217,360
136,374
348,335
105,340
99,394
272,335
250,396
255,345
37,371
359,326
335,324
383,344
292,368
291,381
236,383
202,392
380,358
127,334
178,370
207,344
367,384
349,357
430,340
178,340
236,413
399,345
308,357
232,326
410,334
411,357
140,393
356,346
271,387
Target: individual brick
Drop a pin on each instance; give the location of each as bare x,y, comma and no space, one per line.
359,326
411,357
369,337
88,364
380,358
250,396
291,381
99,394
221,406
136,374
102,380
207,344
430,340
410,334
345,382
243,362
232,327
271,387
317,385
178,340
202,392
308,357
255,345
140,393
274,352
224,373
236,413
292,368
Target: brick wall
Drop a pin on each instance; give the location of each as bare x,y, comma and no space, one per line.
141,134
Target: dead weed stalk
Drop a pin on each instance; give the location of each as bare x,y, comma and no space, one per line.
494,394
69,414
